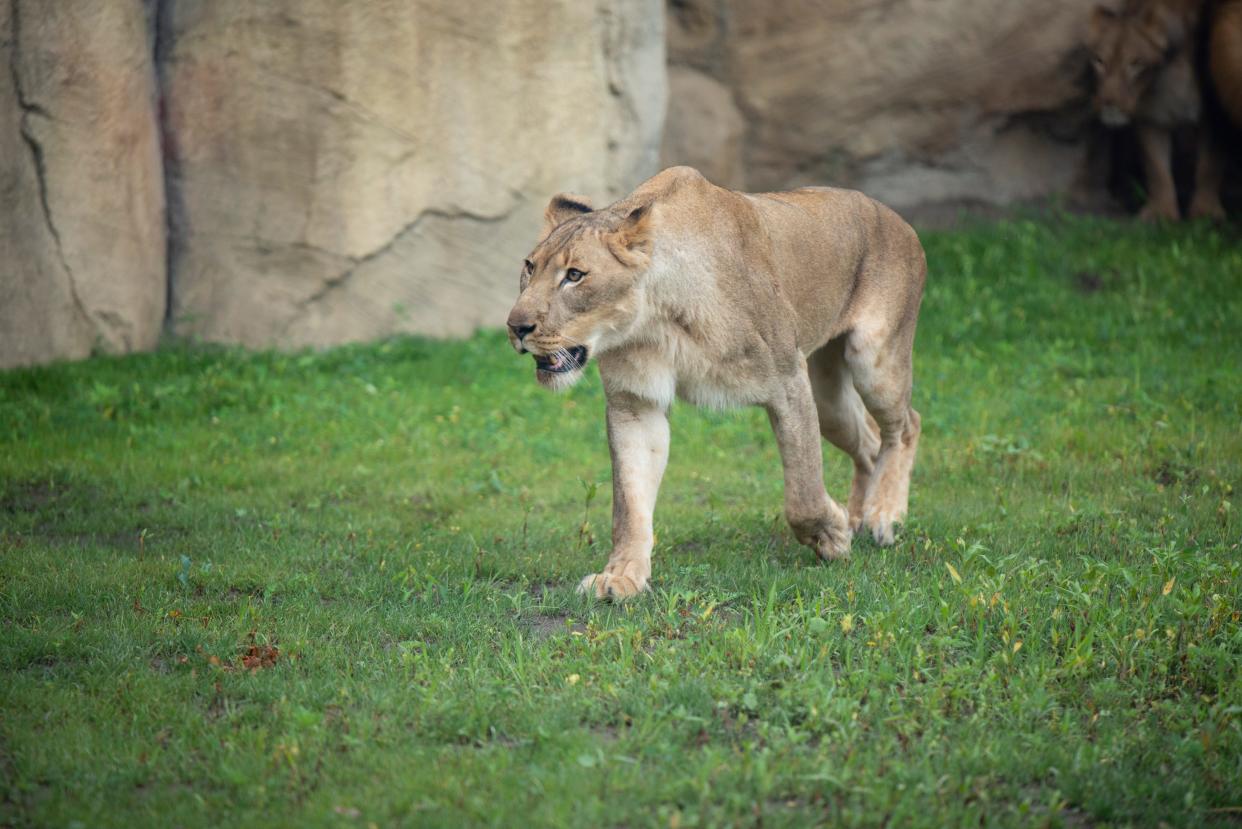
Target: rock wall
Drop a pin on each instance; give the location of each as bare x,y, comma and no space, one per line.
309,172
82,232
913,101
301,172
342,171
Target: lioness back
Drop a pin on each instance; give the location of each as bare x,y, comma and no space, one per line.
834,253
840,252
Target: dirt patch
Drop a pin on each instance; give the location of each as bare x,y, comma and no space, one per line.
689,547
545,625
128,541
46,493
113,540
1069,816
539,589
1091,282
29,496
608,732
1170,472
1088,282
427,509
45,663
235,592
18,799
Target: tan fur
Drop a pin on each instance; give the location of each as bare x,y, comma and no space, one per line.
1226,57
802,302
1144,61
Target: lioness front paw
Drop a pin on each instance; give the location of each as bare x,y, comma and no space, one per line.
1160,210
832,543
880,523
829,536
611,586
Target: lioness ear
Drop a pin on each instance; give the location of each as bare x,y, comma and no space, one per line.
562,207
631,242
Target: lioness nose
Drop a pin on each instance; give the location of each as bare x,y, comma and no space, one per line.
520,329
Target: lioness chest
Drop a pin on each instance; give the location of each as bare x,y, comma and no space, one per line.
671,367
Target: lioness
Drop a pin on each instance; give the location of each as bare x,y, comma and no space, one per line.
1145,62
802,302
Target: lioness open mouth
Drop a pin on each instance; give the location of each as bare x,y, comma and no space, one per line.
562,361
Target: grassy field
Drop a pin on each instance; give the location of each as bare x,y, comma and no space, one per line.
337,588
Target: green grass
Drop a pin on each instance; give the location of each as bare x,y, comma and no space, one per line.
1054,640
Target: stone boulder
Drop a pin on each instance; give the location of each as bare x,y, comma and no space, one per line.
343,171
913,101
82,250
704,128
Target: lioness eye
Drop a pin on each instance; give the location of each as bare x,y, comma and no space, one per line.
574,275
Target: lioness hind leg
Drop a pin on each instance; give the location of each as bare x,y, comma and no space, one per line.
1209,169
882,369
844,421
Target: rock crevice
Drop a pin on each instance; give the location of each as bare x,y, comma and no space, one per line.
82,241
299,172
357,262
308,172
402,161
29,108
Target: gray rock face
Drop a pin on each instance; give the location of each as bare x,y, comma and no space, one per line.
913,101
342,171
82,251
704,128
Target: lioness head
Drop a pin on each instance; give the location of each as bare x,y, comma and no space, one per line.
1128,48
581,290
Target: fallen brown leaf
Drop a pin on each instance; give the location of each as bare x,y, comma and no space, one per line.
254,658
259,656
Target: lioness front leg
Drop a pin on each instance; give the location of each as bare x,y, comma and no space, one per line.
638,443
1157,149
817,520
